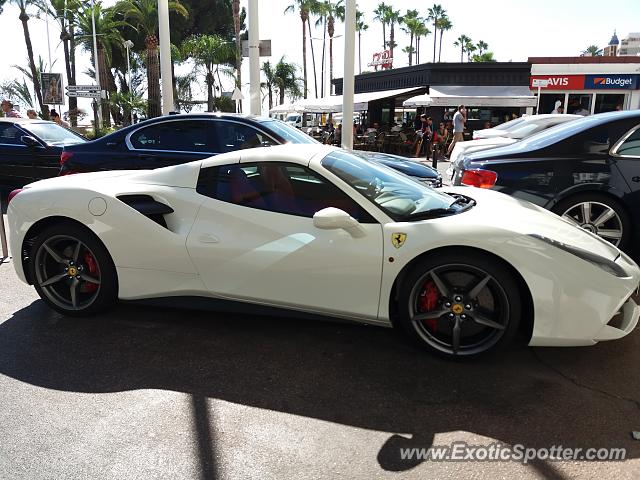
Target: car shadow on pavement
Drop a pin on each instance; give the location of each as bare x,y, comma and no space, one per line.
355,375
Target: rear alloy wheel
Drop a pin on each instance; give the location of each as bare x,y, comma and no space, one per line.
460,305
72,271
597,214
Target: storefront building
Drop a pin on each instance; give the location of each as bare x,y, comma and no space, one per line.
586,85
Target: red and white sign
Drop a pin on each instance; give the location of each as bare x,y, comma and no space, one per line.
557,82
382,59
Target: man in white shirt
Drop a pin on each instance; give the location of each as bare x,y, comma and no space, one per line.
458,127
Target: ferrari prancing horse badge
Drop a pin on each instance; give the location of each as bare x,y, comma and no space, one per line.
398,239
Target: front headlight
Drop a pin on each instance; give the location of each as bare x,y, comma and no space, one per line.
605,264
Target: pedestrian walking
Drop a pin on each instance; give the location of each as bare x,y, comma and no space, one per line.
459,118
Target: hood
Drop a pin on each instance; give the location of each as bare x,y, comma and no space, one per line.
518,216
401,164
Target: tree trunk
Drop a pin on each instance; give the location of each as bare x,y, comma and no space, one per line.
359,52
461,54
435,35
270,87
440,48
116,114
210,80
324,48
73,103
281,95
153,77
304,52
313,60
104,85
24,18
411,49
384,37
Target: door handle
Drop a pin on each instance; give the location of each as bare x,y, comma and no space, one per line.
208,238
635,179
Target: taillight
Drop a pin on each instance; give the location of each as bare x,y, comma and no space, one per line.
479,178
13,194
64,156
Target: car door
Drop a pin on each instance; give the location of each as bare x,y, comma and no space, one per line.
172,142
16,159
254,239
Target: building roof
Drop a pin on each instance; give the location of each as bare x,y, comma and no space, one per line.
614,40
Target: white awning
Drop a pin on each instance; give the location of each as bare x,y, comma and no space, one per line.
493,96
286,108
333,104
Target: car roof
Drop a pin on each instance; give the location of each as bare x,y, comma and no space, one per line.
22,121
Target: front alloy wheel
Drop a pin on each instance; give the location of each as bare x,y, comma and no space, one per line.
461,306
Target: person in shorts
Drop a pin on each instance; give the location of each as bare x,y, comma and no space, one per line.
458,127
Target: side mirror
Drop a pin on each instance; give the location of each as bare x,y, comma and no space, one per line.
332,218
29,141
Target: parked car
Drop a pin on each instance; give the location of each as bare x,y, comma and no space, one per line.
318,230
518,131
498,129
587,170
176,139
30,150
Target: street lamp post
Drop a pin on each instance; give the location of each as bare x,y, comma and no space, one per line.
254,59
96,108
128,44
348,81
165,56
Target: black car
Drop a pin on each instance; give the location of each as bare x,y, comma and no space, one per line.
587,170
30,150
175,139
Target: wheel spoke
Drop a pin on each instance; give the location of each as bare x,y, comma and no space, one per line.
54,255
571,219
90,279
435,314
54,279
475,291
456,337
608,214
487,322
444,290
610,233
586,212
76,252
74,292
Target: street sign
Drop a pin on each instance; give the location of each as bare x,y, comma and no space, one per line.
88,94
265,48
51,88
539,82
237,95
82,88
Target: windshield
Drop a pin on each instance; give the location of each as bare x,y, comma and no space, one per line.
293,118
287,132
510,124
54,134
395,193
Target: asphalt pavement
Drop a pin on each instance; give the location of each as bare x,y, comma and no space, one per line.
145,392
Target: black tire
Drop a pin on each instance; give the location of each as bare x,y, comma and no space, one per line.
86,286
458,289
599,202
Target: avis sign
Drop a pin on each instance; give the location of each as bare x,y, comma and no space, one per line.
557,82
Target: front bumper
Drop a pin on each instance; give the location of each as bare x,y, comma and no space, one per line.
622,323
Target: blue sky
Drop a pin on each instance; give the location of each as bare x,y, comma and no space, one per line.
513,29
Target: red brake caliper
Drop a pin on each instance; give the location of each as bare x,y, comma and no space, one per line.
428,302
92,266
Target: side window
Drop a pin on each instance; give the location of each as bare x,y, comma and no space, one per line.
10,134
631,146
233,136
277,187
179,136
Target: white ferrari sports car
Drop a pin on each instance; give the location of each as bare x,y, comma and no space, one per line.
318,230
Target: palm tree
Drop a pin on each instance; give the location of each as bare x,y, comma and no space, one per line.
333,10
435,13
382,16
64,11
592,51
108,38
422,31
393,17
320,8
360,27
485,57
444,24
208,52
270,83
482,47
462,41
412,25
286,80
143,15
304,6
24,18
470,47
